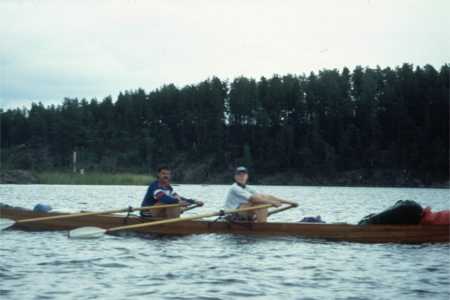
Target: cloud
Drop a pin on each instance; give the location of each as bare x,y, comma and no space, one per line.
56,49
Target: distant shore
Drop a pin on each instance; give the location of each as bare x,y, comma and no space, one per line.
95,178
102,178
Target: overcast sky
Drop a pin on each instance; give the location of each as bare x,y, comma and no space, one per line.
55,49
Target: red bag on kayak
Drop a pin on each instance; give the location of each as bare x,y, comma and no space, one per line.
435,218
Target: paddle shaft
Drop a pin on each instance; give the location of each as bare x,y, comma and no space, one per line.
176,220
96,213
275,211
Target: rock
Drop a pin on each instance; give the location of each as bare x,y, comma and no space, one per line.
17,177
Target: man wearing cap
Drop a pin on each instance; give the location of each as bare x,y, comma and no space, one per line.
241,196
160,192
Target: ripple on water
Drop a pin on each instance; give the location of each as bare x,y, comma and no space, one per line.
69,262
111,265
47,265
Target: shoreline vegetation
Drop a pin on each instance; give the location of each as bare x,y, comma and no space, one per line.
58,177
354,179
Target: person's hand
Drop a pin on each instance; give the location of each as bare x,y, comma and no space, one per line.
199,203
184,203
276,203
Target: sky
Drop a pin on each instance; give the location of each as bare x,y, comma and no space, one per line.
91,49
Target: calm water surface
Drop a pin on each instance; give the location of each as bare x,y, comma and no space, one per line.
48,265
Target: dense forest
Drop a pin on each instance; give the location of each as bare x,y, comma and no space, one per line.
380,124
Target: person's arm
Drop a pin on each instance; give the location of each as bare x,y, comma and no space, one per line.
193,201
148,198
272,198
262,199
187,200
258,198
160,196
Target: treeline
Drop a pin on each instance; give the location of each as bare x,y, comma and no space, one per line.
321,124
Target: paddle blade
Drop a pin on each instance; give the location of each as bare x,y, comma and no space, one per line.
6,223
88,232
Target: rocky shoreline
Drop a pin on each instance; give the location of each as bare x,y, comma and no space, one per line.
17,177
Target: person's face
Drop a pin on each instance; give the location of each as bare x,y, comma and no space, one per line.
241,178
164,176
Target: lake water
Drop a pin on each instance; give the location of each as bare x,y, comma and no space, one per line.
48,265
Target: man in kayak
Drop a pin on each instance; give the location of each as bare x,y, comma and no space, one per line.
240,195
160,192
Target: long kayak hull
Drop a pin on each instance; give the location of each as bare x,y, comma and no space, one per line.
411,234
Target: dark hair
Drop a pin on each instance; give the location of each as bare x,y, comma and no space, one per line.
164,167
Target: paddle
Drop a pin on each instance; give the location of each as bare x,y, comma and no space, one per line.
5,223
291,205
93,232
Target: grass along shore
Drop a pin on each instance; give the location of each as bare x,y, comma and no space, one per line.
92,178
384,179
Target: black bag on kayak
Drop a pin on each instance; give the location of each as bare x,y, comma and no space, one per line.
404,212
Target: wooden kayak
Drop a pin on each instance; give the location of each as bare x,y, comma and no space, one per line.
410,234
